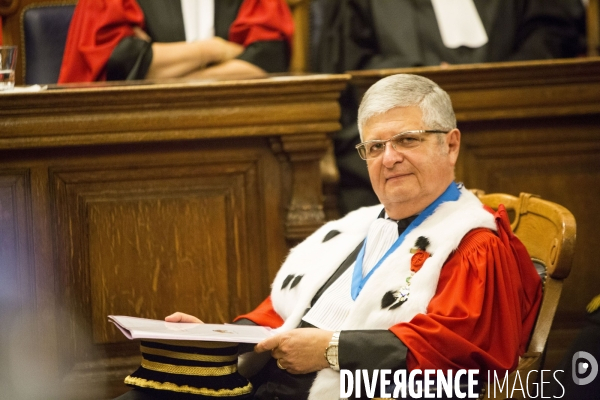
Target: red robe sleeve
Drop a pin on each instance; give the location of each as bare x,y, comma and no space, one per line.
259,20
96,29
484,308
264,315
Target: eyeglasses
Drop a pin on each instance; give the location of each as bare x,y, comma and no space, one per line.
405,140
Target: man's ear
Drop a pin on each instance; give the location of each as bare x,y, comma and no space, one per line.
453,143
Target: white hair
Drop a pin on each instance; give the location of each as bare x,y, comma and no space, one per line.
405,90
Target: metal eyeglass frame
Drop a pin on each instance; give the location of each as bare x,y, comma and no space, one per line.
362,149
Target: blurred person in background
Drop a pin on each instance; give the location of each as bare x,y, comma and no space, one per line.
158,39
376,34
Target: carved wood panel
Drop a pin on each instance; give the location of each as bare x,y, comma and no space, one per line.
152,234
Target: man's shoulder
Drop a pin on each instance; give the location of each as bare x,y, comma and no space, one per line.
354,224
478,238
355,219
363,212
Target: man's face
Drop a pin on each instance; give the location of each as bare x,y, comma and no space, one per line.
407,181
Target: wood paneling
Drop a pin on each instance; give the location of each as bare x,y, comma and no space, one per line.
183,233
17,291
16,272
150,226
593,28
15,240
533,127
147,199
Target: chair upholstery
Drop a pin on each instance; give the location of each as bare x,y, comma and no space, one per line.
44,31
548,232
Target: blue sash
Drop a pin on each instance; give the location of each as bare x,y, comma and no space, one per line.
452,193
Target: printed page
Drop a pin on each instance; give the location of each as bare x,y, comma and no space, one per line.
142,328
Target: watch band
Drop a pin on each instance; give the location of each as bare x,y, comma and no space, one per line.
331,352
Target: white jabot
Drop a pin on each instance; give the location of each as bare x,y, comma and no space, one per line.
332,308
382,234
459,23
198,19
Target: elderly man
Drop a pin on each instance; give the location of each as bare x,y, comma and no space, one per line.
429,279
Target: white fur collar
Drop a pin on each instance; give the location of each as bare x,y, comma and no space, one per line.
313,261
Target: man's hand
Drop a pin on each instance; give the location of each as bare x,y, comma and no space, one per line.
181,59
141,34
227,50
299,351
182,317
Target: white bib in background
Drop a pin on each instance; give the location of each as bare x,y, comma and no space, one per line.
459,23
198,19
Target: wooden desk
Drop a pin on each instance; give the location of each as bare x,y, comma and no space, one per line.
533,127
143,200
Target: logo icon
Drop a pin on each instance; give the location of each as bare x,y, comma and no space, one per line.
583,363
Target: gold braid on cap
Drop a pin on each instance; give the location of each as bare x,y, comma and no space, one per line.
187,356
188,389
186,370
594,304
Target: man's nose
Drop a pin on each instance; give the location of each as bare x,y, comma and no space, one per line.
391,156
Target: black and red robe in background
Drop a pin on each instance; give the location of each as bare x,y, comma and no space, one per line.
101,44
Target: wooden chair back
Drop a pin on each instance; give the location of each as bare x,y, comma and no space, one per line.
547,230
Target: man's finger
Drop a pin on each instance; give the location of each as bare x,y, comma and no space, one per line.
181,317
267,344
175,317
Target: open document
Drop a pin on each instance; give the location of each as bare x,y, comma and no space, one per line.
142,328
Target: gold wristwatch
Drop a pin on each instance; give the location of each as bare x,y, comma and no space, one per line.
331,352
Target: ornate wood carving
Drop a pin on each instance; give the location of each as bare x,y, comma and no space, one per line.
305,212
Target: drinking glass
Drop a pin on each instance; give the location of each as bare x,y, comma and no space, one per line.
8,62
